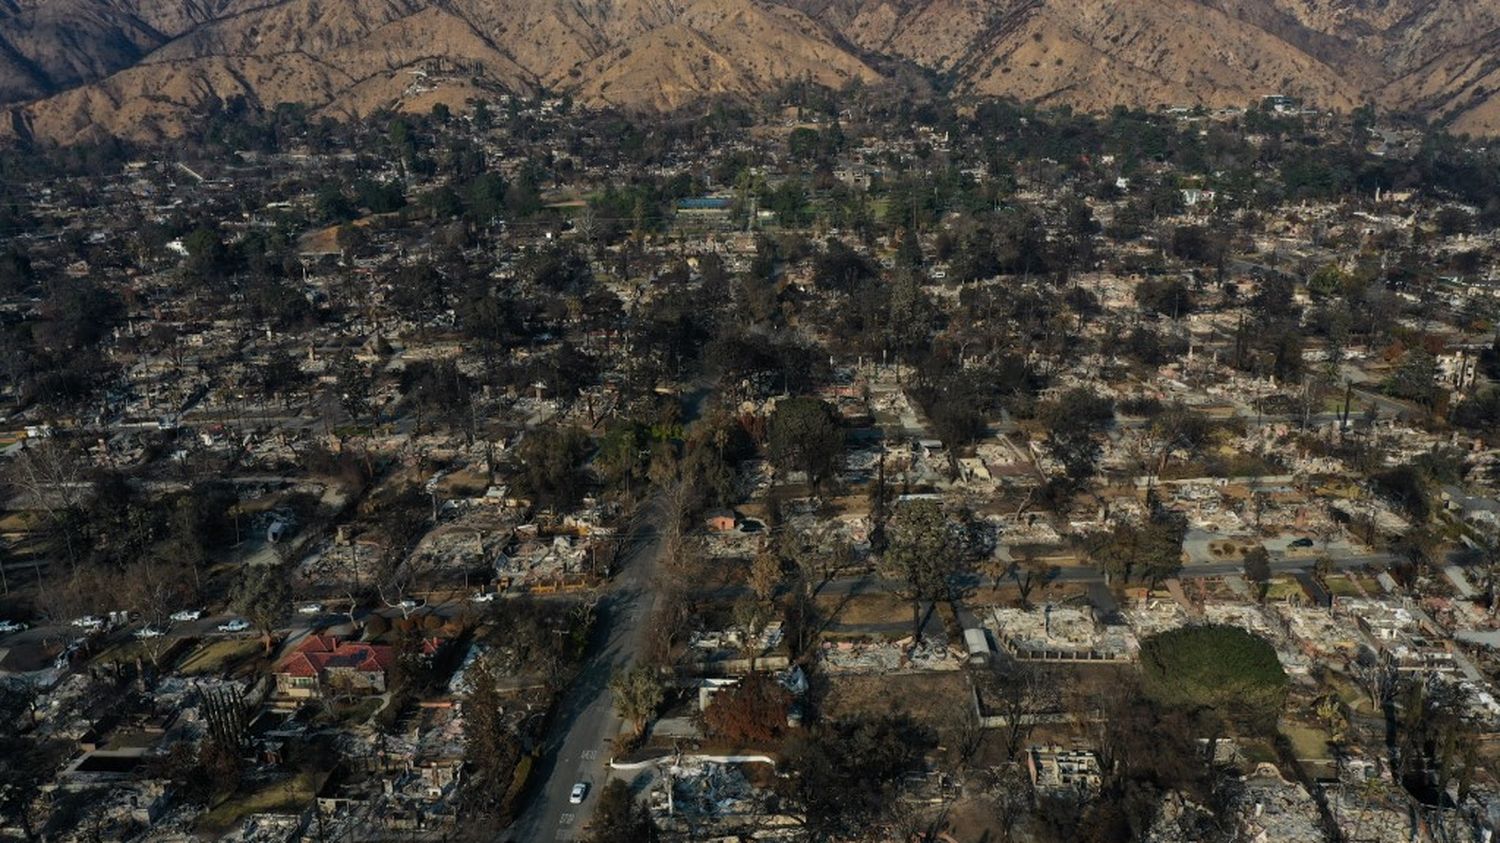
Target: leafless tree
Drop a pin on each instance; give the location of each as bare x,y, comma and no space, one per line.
1019,693
819,553
1377,675
1031,571
963,730
668,622
403,576
1008,796
54,479
155,589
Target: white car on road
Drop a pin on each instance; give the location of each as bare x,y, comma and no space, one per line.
310,609
483,597
149,632
236,625
187,615
89,622
7,627
580,790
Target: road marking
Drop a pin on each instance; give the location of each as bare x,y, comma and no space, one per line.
591,755
565,819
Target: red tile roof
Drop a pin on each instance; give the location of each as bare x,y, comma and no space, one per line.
324,652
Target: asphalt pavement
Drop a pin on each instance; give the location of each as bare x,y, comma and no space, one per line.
1090,574
580,737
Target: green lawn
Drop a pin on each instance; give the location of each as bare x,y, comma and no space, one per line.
1340,586
358,711
217,656
1280,589
290,796
1351,694
123,653
1310,743
1257,751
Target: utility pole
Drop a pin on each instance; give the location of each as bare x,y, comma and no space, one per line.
1344,416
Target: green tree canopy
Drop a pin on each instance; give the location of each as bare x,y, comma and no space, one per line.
1151,552
1415,378
925,551
551,466
491,748
1225,668
1257,563
262,596
805,436
802,143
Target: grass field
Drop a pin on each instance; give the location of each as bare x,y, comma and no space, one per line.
873,608
218,656
355,712
1309,742
1340,586
930,698
1283,588
288,796
122,653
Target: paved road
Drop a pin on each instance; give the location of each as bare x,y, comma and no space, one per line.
579,744
629,600
869,583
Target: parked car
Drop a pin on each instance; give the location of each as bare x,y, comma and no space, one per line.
482,597
1302,542
149,632
7,627
310,609
579,791
187,615
236,625
90,622
410,603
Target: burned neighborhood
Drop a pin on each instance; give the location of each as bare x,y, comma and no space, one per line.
822,465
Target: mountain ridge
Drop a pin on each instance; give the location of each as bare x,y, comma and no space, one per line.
144,69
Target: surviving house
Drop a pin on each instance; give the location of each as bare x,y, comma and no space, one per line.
720,520
325,662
